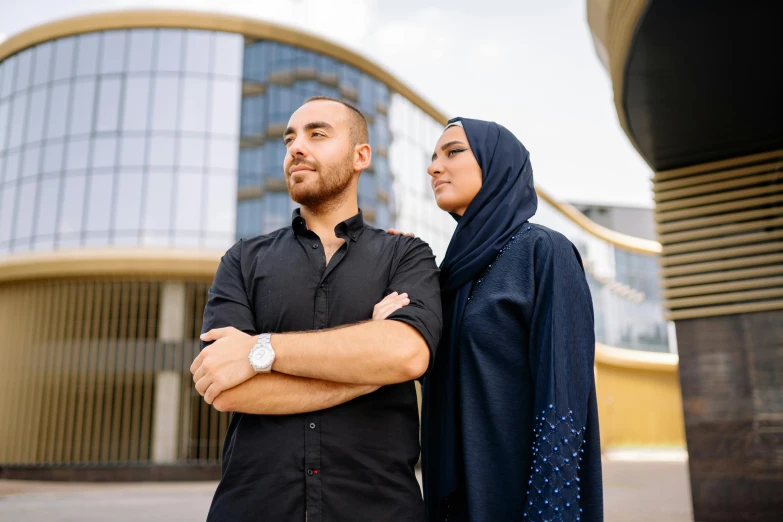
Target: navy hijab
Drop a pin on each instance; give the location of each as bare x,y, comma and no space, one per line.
506,200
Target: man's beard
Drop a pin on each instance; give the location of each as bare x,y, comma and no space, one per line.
328,189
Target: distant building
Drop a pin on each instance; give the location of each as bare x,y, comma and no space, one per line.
634,221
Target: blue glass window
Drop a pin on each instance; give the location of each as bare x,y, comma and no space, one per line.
7,211
100,199
136,105
194,101
158,201
164,103
18,119
53,157
104,152
226,102
221,197
43,63
127,212
162,151
4,123
169,54
25,210
228,55
24,70
31,161
198,51
36,116
250,166
7,80
48,202
249,217
113,52
108,105
133,151
87,57
73,206
58,110
83,102
189,208
140,47
77,154
191,152
223,154
64,58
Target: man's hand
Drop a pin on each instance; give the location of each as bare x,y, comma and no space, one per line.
224,364
390,304
399,233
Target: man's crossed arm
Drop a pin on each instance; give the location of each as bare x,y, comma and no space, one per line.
346,369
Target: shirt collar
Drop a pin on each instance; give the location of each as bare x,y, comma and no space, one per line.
351,228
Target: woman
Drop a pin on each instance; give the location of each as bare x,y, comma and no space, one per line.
509,420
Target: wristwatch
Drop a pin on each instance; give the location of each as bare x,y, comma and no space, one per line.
262,356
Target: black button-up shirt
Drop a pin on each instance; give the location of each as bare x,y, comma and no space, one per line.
352,462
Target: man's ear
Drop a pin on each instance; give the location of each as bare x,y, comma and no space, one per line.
363,155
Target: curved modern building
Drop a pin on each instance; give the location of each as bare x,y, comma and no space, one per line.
697,91
135,148
163,129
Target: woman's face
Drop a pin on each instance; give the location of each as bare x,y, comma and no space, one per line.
456,175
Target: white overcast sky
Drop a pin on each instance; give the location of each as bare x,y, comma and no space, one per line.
527,64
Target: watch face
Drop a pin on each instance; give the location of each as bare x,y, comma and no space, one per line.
262,357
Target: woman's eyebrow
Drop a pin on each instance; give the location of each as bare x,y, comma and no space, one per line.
446,146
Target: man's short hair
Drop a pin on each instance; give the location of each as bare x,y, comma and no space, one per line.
358,123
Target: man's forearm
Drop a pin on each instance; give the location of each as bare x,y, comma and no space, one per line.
376,352
280,394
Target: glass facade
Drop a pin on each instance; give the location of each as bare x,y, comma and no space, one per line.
415,134
126,138
277,79
173,138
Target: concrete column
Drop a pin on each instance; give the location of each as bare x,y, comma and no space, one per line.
171,323
165,420
168,384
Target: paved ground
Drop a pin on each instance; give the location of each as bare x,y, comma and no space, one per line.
633,492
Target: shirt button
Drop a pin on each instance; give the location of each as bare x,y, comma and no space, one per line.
312,425
310,472
323,286
315,245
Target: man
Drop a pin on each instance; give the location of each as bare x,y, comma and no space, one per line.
326,419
